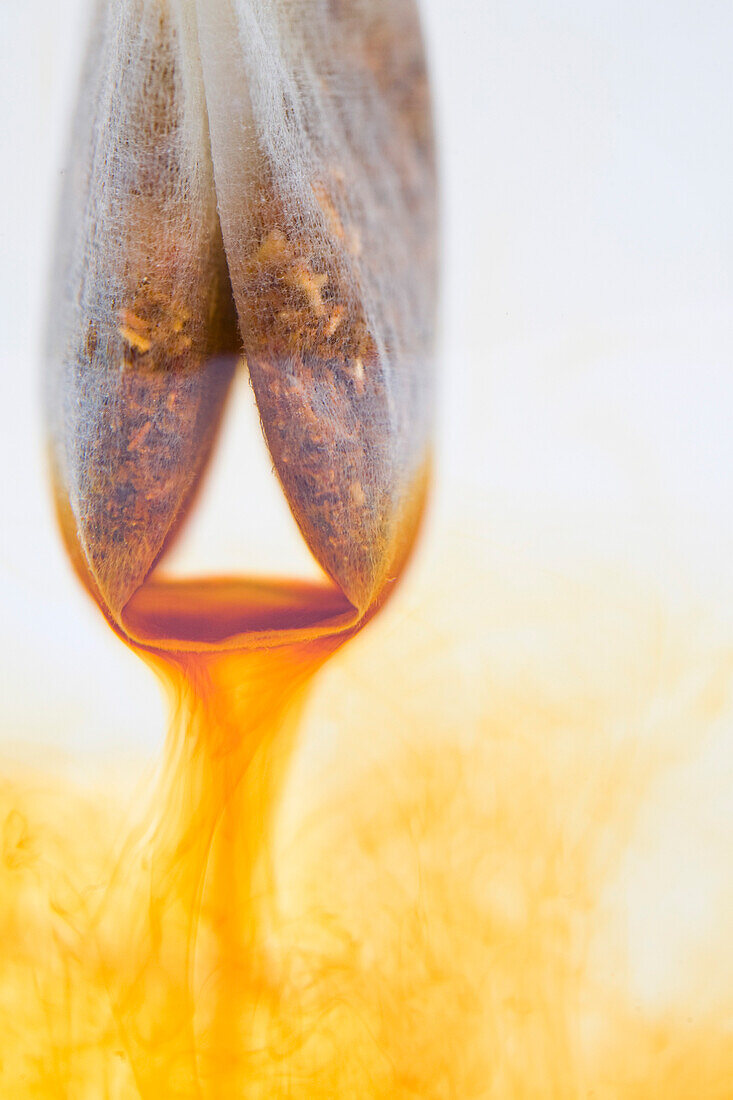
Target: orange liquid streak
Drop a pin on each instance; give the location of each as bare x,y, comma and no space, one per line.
193,976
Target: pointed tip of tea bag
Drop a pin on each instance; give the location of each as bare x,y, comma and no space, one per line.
112,576
359,582
366,569
117,573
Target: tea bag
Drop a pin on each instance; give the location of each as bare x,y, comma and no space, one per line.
300,133
323,163
141,327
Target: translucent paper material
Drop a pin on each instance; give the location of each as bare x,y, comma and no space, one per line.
301,134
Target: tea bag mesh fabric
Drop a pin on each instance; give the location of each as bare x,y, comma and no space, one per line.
300,134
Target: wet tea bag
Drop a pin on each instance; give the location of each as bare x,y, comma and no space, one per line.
323,162
141,325
277,157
